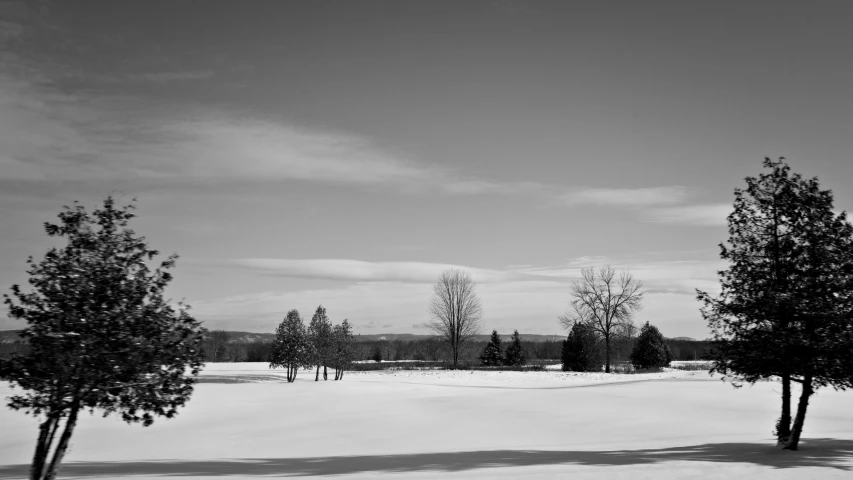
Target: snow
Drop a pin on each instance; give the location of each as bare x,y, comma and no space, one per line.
245,422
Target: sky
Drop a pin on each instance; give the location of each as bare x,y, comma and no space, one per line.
345,153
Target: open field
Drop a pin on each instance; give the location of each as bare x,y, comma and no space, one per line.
245,422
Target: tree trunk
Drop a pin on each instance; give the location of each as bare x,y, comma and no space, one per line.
800,419
46,431
317,376
783,430
607,354
325,374
62,447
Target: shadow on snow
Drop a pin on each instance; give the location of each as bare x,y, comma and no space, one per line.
831,453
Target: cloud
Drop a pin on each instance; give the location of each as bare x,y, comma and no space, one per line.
421,326
626,197
361,271
709,215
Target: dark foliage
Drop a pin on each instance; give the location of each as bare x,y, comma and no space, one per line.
582,350
515,356
650,350
787,295
100,334
493,352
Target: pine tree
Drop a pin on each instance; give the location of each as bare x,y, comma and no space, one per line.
320,339
785,302
493,353
515,352
290,349
650,349
101,333
343,348
582,350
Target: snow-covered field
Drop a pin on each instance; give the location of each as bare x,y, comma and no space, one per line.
245,422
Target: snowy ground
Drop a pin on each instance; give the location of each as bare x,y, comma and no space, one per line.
244,422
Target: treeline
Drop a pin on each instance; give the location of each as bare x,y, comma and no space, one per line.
220,347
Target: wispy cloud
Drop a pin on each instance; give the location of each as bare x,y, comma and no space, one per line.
626,197
361,271
699,215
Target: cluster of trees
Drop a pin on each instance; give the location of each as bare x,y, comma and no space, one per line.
433,349
320,344
494,355
585,351
786,304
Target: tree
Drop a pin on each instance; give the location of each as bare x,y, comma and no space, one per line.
605,301
343,348
290,349
455,310
101,335
493,353
785,301
581,351
514,352
320,338
650,350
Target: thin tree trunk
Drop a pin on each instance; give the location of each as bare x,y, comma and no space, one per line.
62,447
46,432
325,374
800,419
607,354
783,431
317,376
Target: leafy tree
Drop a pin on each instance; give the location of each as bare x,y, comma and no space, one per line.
581,350
343,348
514,352
320,339
493,353
650,350
290,349
785,301
101,335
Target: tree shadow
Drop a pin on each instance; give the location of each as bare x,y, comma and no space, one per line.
825,452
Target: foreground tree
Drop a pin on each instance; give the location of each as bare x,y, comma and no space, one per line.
455,310
785,301
581,350
100,333
320,339
605,301
493,354
290,348
650,349
515,356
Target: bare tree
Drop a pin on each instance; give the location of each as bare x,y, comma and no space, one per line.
455,310
605,301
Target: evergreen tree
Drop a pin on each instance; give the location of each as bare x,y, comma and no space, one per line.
650,349
320,339
785,302
101,334
581,350
493,352
344,349
290,349
514,352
